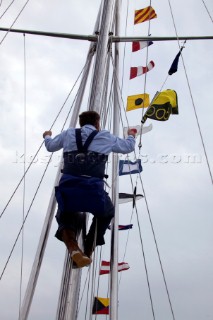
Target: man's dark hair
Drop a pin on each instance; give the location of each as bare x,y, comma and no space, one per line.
88,117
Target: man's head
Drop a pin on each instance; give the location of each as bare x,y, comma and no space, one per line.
90,117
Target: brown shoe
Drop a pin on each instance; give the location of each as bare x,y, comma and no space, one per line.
81,260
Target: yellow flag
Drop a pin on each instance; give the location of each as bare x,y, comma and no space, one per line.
137,101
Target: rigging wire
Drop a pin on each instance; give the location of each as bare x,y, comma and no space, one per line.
25,218
92,290
147,55
87,296
118,90
127,239
145,78
89,289
207,11
160,261
6,8
152,227
24,182
79,303
24,176
167,76
143,253
49,161
14,21
109,116
155,240
192,99
124,52
100,259
92,286
94,272
156,245
145,265
38,150
106,81
108,110
159,257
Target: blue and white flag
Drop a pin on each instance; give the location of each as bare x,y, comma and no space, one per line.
129,167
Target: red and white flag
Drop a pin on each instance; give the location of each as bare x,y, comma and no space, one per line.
138,71
105,267
139,45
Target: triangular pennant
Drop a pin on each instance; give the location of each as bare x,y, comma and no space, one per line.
174,65
138,71
105,267
139,45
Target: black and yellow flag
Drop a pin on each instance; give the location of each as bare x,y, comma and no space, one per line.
137,101
100,306
164,104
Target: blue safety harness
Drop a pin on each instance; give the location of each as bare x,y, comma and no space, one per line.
81,188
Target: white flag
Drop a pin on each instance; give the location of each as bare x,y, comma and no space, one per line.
138,128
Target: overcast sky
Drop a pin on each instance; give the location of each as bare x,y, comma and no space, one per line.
178,191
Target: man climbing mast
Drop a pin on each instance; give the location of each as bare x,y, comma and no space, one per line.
81,187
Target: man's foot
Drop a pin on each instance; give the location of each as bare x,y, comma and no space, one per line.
80,260
78,257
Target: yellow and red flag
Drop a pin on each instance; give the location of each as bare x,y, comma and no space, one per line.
145,14
100,306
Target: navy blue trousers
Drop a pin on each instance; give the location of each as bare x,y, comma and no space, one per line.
73,220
